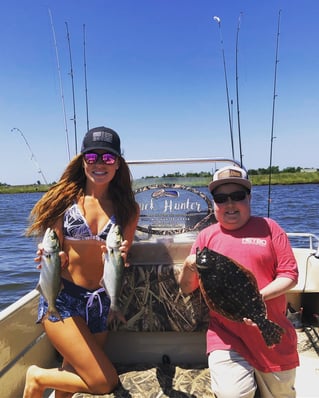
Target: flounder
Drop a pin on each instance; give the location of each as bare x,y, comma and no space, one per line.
231,290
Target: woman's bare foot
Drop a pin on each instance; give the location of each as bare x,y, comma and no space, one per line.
32,387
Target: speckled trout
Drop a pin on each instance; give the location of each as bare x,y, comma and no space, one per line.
113,270
49,283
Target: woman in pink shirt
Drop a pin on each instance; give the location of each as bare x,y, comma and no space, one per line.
238,357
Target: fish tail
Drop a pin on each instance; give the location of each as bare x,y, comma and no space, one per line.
52,311
271,332
116,315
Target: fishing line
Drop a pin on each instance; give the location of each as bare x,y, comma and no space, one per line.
32,154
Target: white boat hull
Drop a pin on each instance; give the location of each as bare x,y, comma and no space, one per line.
22,343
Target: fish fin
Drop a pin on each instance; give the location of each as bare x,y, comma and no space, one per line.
39,289
61,287
102,284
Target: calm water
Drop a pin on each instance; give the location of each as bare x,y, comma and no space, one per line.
294,207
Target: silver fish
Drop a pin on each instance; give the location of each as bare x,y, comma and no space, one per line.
113,270
49,284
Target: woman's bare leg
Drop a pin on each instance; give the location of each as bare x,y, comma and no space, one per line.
83,351
63,394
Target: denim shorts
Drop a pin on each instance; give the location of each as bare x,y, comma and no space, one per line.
74,300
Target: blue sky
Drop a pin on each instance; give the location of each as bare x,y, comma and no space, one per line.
155,74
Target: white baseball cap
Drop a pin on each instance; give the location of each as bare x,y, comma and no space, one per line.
229,175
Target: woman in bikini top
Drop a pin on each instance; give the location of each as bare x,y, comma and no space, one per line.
93,192
75,226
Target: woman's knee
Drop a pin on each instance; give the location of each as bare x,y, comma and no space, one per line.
104,385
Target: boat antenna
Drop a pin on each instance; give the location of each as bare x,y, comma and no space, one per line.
217,19
32,154
73,95
237,92
85,81
61,87
273,114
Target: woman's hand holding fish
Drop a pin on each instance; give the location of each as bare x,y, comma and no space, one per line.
124,252
63,256
124,248
64,259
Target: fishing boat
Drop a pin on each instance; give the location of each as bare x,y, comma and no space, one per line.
160,351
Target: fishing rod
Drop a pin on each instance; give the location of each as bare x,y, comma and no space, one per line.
85,80
217,19
61,87
237,95
73,95
273,114
32,154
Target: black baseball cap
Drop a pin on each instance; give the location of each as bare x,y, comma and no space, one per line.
102,138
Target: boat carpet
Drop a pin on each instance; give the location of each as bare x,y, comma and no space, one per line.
159,381
179,381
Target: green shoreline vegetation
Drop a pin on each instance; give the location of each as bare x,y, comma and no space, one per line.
258,177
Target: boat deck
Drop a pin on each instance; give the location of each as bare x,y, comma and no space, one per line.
181,381
307,379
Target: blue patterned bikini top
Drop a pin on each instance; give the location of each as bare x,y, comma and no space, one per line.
75,226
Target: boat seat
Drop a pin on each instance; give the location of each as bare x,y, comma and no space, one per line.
308,266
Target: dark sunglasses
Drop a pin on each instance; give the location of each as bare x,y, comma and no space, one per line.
92,158
236,196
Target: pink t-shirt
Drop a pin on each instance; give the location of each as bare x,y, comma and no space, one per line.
261,246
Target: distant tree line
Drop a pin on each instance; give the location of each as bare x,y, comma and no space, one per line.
274,170
178,174
207,174
260,171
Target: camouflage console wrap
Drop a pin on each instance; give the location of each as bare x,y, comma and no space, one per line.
151,301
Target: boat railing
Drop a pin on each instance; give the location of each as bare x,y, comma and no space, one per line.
304,239
185,160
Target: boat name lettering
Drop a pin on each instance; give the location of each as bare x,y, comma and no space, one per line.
170,206
147,206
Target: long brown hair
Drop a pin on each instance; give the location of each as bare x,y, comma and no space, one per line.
71,186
